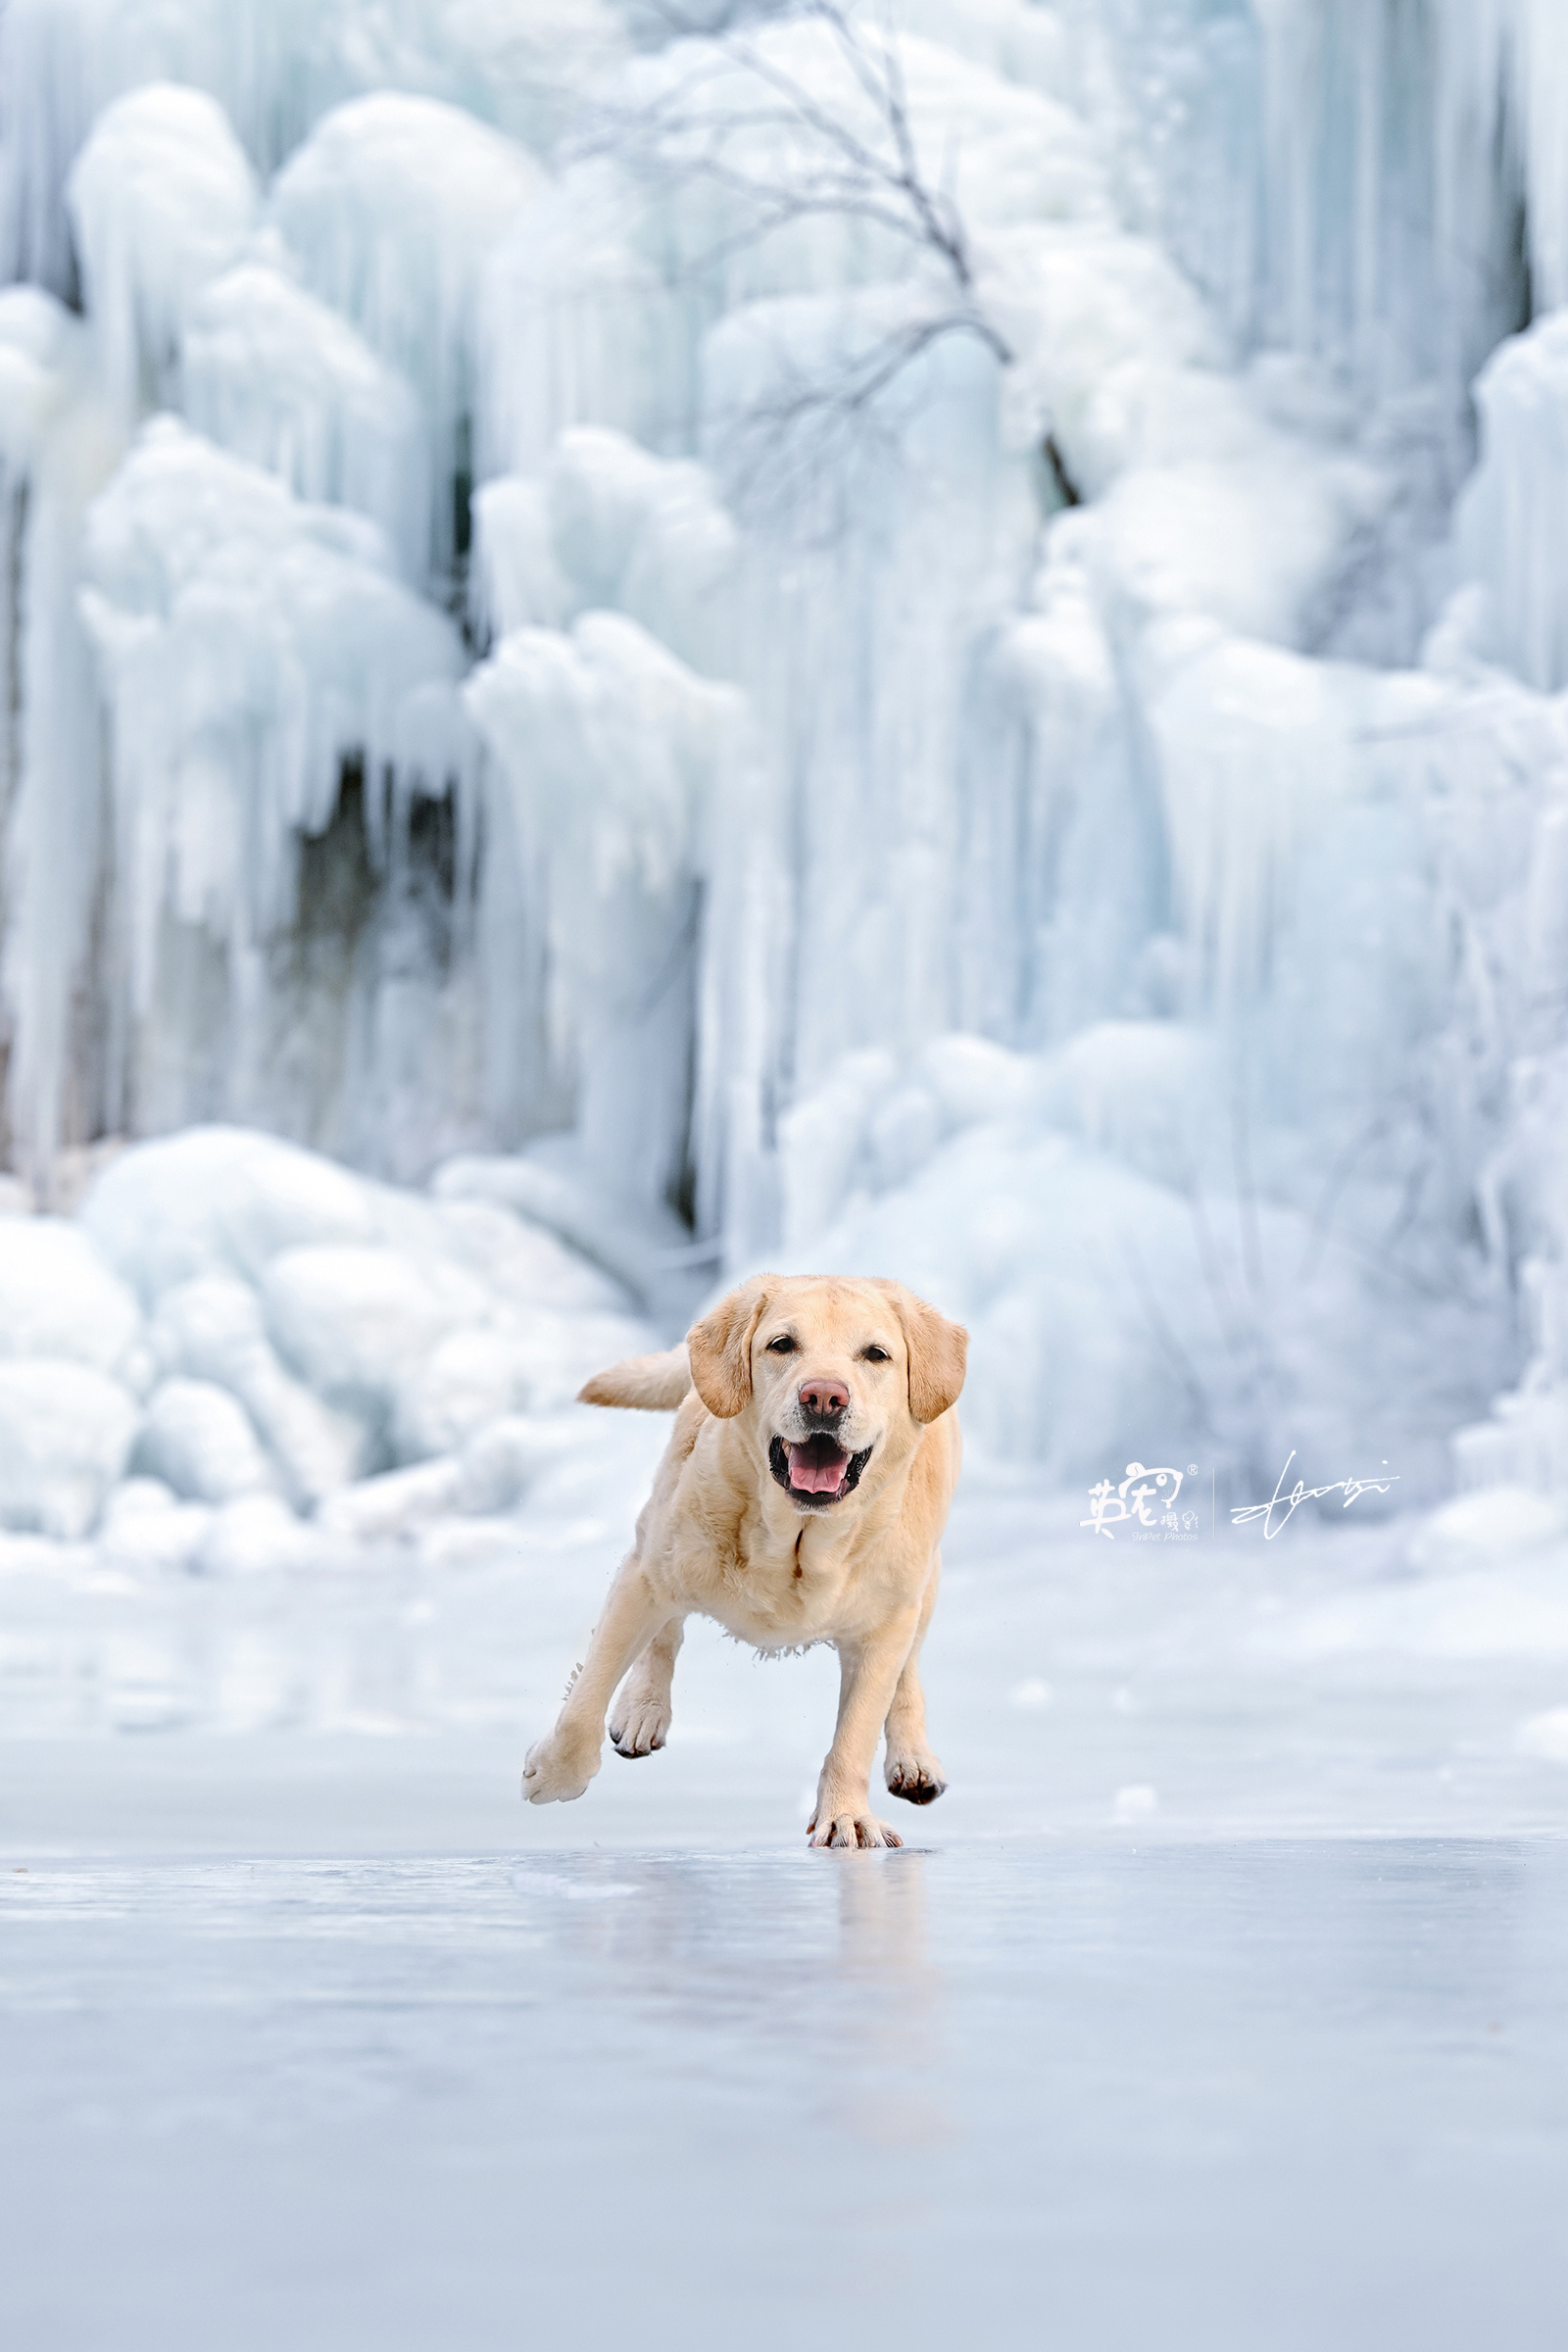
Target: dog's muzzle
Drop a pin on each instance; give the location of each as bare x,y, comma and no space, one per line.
818,1472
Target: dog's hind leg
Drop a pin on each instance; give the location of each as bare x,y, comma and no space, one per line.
911,1770
639,1719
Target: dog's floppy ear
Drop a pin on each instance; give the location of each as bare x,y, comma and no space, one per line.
720,1349
939,1352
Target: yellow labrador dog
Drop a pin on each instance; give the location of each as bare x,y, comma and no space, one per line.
802,1499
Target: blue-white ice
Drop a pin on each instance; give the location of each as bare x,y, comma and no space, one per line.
472,710
1219,2002
474,693
1201,2096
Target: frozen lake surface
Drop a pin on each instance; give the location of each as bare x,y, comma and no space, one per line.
1220,2003
1277,2093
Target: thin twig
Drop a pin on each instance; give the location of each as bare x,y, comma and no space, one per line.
876,179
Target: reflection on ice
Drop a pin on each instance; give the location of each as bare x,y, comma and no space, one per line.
1207,2095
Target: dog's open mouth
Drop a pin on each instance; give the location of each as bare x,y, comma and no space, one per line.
817,1471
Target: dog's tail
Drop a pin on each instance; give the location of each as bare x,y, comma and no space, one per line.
654,1384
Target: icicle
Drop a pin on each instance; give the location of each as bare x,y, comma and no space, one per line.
275,376
161,201
608,757
1541,82
275,66
57,440
393,204
61,62
1509,524
248,646
1060,877
577,326
609,524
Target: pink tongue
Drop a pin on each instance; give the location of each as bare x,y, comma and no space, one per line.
811,1473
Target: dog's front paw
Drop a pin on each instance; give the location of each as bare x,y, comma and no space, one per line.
641,1727
915,1775
558,1770
851,1829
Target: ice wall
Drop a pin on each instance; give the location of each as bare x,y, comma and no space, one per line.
611,763
1510,517
392,204
248,646
282,380
277,67
1377,186
60,446
160,200
874,677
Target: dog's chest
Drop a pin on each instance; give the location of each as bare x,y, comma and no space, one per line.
780,1596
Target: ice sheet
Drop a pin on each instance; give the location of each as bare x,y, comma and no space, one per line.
1220,1996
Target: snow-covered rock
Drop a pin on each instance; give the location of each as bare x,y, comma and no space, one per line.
384,1510
212,1329
219,1200
254,1535
308,1327
59,1299
500,1461
199,1440
357,1323
1486,1527
471,1379
66,1434
146,1527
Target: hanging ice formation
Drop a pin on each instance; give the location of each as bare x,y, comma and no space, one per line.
500,664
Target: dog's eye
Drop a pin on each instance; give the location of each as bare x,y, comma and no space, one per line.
875,1354
782,1345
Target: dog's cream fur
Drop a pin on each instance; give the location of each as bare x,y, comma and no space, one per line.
721,1535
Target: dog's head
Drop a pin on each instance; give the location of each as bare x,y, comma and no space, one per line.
838,1376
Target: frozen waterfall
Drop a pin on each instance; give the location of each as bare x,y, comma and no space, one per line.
555,634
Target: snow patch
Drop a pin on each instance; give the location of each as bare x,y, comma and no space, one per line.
1544,1737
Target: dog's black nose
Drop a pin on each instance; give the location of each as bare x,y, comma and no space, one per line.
825,1399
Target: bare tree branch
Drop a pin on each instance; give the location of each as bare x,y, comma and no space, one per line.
737,117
